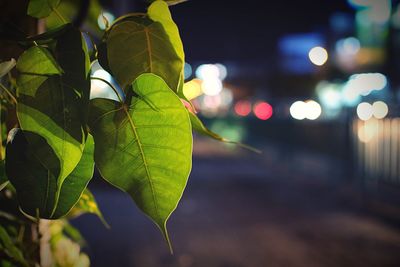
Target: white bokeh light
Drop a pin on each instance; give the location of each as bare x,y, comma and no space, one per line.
313,110
211,87
364,111
207,71
380,109
298,110
318,55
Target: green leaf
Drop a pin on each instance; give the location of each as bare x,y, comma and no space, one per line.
36,184
53,98
159,11
6,67
87,204
74,186
144,147
41,8
139,45
171,2
199,127
49,35
8,247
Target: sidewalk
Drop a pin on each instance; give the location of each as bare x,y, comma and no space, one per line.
278,209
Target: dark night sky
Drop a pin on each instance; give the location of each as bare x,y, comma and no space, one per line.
220,30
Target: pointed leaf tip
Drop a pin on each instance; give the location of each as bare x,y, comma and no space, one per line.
145,152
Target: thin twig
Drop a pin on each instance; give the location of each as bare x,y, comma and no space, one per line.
1,137
9,93
93,44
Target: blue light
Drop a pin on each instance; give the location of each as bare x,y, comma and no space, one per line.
187,71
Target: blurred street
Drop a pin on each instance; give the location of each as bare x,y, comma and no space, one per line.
281,208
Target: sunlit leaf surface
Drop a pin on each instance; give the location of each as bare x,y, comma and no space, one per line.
36,184
41,8
139,45
144,146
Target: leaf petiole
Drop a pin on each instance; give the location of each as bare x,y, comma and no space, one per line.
9,93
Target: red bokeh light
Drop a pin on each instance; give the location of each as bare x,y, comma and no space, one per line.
263,110
242,108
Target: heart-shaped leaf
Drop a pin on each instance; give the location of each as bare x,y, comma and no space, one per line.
144,147
53,97
140,45
41,8
159,12
170,2
36,184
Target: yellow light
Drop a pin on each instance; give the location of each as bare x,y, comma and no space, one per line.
380,109
192,89
318,55
364,111
367,131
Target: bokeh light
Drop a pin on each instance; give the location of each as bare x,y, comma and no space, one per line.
329,95
100,19
379,109
298,110
318,55
313,110
192,89
211,86
207,71
367,131
349,46
263,110
222,71
364,111
187,71
242,108
365,83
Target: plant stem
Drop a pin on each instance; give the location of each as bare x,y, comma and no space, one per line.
63,20
1,136
109,84
93,43
9,93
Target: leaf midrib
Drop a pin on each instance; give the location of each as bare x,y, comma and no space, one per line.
146,31
59,182
140,146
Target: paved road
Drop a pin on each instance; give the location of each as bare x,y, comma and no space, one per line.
283,208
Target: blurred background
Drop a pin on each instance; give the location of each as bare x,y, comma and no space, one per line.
313,84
